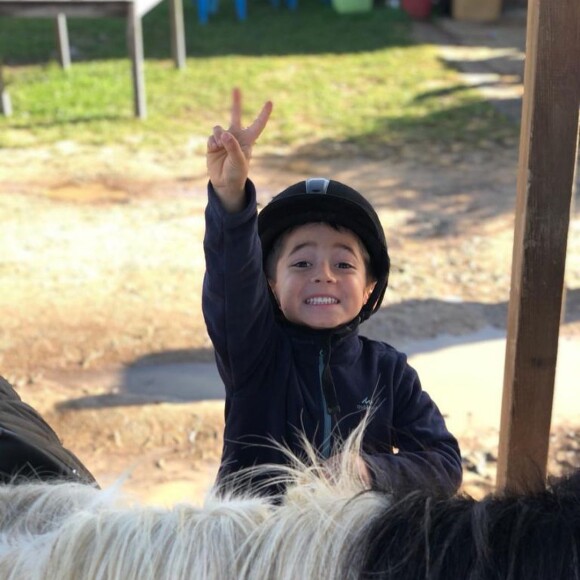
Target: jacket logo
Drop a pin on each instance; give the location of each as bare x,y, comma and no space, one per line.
365,404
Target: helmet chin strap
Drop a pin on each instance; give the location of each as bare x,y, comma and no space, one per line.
370,306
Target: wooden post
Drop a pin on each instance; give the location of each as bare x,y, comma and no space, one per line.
548,149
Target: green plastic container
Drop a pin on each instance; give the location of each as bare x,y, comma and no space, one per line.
352,6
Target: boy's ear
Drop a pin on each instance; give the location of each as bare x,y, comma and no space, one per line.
272,284
369,290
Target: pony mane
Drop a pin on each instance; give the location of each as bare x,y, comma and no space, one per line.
524,536
306,472
66,531
321,514
327,525
69,531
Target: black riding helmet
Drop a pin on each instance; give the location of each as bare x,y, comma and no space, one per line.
324,200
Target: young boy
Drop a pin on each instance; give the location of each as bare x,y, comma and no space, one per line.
283,296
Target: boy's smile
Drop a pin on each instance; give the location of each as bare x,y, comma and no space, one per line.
321,276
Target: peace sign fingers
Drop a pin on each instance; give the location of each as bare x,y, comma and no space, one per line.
248,136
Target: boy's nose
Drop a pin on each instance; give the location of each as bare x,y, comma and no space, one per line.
323,274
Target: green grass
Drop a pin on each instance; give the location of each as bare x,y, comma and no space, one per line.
353,81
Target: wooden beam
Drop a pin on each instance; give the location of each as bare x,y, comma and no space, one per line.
548,151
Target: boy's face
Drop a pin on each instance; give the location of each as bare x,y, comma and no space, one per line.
321,277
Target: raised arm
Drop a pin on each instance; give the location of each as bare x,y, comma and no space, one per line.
229,153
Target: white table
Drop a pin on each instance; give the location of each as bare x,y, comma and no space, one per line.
132,10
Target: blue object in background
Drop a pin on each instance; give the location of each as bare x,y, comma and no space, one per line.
205,8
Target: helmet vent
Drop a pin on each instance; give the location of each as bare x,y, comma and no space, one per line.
317,185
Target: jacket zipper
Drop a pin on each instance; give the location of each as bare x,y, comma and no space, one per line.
327,418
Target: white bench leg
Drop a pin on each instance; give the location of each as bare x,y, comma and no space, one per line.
177,33
62,39
135,45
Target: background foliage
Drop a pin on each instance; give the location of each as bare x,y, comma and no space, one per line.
338,82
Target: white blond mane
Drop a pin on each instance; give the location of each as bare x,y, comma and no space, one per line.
67,531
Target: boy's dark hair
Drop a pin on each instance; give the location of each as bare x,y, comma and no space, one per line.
329,201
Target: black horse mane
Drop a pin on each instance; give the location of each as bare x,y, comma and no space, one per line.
525,536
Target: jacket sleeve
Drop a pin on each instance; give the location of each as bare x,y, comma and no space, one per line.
235,299
426,455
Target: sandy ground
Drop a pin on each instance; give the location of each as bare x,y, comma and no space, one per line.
101,267
103,271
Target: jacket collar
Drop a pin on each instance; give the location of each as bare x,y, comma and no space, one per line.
334,338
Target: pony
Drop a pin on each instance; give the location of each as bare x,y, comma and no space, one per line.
68,530
327,524
504,536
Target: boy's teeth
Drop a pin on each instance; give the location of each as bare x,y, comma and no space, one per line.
322,300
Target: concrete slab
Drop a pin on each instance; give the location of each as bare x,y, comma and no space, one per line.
466,380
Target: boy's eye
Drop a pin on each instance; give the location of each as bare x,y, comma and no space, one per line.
344,265
301,264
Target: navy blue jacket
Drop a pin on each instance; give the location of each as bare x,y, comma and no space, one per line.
273,370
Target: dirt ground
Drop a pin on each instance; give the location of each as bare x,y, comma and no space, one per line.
101,266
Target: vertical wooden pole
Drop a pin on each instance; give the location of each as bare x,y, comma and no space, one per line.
548,149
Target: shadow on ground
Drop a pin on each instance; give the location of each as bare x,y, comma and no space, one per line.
444,193
175,377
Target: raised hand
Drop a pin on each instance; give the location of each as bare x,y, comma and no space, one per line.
229,153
